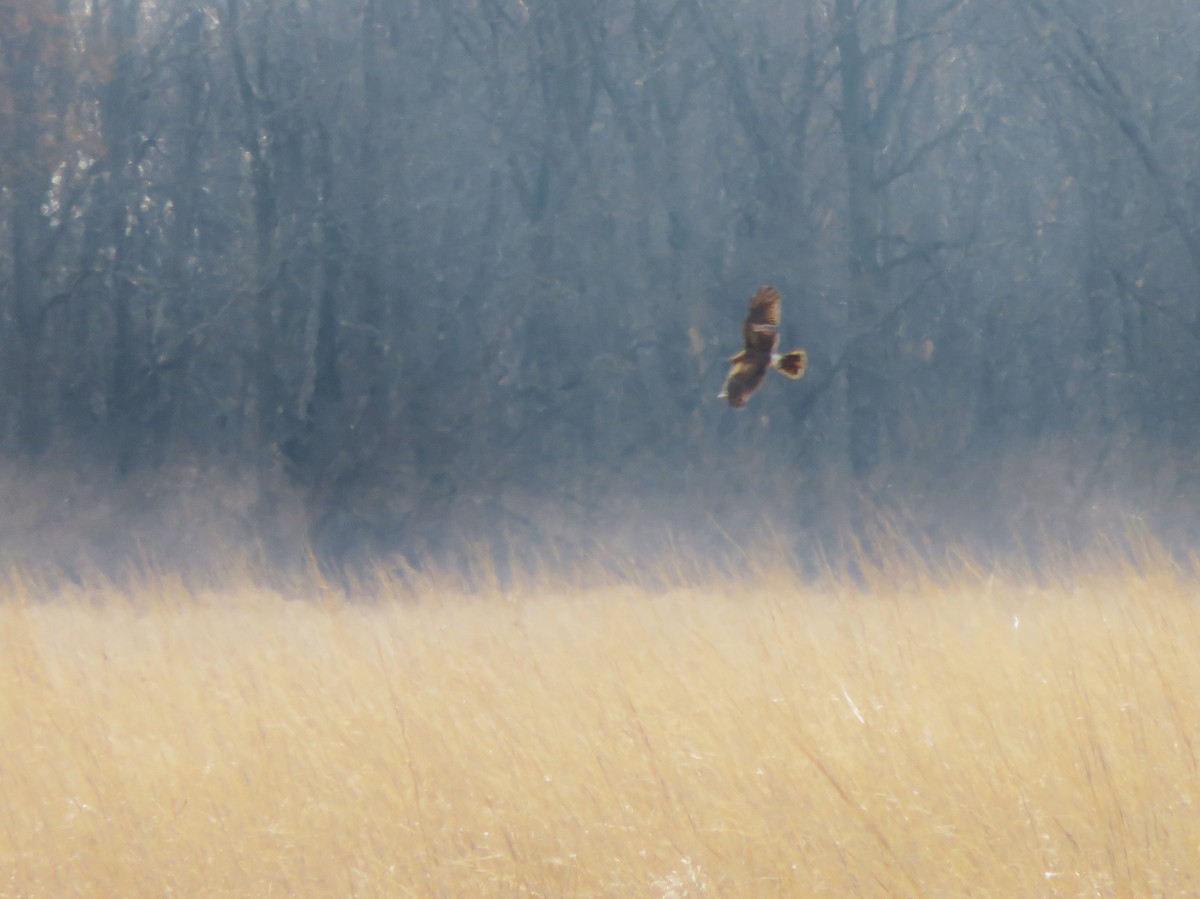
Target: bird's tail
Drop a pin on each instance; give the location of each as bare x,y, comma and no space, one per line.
792,364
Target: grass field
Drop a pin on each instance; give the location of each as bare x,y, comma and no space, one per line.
907,732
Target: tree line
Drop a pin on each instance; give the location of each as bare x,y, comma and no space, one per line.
437,267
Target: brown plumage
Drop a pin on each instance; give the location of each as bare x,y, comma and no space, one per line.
760,333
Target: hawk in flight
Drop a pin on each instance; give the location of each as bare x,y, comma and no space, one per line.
761,334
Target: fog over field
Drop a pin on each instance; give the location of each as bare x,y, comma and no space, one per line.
380,279
909,732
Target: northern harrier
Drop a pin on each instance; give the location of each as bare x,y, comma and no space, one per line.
761,334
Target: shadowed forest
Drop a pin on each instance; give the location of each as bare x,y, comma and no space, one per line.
383,277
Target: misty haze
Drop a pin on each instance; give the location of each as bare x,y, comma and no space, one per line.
388,279
406,305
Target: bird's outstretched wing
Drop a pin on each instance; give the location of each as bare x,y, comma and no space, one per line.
743,379
761,328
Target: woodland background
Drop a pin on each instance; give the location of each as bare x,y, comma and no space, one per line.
383,277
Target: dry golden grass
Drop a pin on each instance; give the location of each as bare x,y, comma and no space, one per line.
958,733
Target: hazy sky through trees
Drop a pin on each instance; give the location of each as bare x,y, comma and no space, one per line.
382,276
